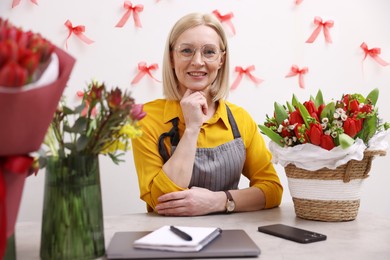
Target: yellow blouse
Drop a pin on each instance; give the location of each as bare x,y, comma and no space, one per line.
153,182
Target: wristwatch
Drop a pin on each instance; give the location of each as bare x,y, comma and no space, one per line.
230,204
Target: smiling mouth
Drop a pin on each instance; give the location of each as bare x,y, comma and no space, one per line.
197,74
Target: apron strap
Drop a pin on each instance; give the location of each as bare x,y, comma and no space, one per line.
174,138
233,124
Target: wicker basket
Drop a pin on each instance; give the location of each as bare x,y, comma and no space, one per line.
329,195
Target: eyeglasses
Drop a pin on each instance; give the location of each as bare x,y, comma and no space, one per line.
209,52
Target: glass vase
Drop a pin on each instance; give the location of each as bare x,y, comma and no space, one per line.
72,219
10,251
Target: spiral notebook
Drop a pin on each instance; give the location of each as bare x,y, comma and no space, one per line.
166,240
230,243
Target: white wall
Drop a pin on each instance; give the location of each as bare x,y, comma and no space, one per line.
270,35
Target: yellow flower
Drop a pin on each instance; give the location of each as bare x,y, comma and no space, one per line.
130,131
126,133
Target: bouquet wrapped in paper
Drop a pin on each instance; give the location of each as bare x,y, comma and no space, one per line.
33,75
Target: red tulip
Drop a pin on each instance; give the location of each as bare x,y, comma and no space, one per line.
346,101
29,60
353,106
367,108
8,52
320,108
327,142
311,107
13,75
295,117
114,98
315,133
352,126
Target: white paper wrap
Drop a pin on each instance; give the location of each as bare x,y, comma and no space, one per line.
311,157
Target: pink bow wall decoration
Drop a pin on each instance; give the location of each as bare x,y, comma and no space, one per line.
130,8
143,70
225,19
78,31
373,53
296,71
241,72
321,25
17,2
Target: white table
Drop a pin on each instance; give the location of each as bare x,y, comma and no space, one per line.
367,237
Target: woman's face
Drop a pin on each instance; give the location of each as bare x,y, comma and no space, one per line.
199,71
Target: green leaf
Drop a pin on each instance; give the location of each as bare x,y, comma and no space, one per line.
272,135
115,158
81,143
345,141
328,111
319,99
69,146
305,114
373,96
67,110
290,107
369,128
280,113
294,101
80,125
79,108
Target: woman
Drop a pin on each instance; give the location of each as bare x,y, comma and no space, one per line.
195,145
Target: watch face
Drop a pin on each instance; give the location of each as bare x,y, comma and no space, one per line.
230,205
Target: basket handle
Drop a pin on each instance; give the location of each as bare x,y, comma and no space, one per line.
370,154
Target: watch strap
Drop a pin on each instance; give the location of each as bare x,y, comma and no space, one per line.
229,200
228,195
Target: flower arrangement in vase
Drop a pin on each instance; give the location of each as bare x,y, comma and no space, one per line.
333,142
103,124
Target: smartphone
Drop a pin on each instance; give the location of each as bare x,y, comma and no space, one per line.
292,233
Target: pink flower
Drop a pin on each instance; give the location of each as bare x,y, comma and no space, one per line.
137,112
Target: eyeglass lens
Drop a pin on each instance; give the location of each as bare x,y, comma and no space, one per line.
209,52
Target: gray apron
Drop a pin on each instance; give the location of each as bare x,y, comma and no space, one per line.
217,168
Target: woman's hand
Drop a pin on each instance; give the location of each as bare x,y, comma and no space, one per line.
194,107
192,202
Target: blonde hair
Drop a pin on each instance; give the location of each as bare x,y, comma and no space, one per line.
219,88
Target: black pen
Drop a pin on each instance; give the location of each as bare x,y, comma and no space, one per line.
181,233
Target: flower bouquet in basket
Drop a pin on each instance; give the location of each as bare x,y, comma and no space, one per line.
327,150
33,75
